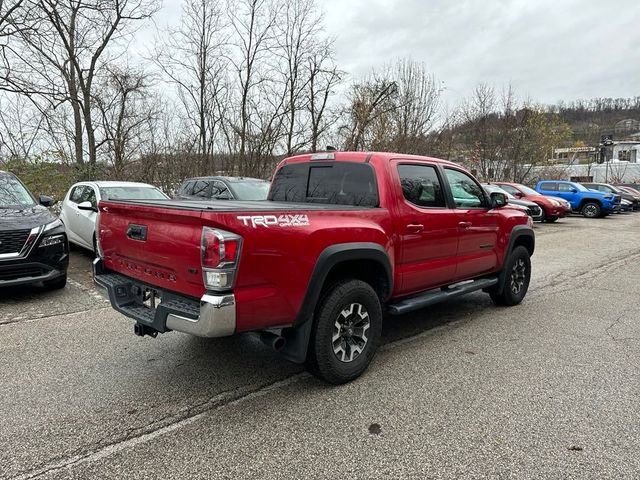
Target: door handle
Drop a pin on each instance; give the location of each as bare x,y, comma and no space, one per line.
465,225
415,227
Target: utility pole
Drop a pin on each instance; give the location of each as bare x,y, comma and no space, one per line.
605,142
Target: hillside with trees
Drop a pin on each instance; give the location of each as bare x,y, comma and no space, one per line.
235,86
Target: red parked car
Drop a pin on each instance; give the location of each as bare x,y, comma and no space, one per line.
553,208
343,237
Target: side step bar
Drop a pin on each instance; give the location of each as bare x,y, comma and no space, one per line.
438,295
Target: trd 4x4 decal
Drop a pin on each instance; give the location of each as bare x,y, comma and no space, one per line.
274,220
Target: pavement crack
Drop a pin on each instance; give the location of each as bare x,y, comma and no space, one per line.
22,320
167,424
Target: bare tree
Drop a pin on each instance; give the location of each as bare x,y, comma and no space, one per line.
297,40
20,126
63,46
368,102
324,76
252,23
125,111
418,100
192,59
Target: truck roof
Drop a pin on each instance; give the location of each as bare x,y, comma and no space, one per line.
362,157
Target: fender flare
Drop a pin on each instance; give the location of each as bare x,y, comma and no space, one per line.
298,335
590,200
517,232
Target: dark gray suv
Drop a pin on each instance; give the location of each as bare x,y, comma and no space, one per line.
224,188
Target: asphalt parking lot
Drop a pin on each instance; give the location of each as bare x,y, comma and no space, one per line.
547,389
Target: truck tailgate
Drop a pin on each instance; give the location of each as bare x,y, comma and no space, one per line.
158,246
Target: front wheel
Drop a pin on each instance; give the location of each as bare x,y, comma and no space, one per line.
591,210
517,271
551,219
346,333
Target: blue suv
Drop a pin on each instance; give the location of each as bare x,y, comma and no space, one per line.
590,203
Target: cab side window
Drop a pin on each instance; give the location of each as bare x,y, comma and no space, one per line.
201,189
187,188
467,193
552,187
220,190
421,185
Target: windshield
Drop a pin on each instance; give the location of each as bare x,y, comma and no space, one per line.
580,187
134,192
527,191
250,190
13,194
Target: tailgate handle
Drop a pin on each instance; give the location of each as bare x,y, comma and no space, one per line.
137,232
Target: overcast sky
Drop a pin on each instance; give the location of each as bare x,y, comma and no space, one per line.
548,49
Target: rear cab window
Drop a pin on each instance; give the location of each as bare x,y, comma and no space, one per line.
333,183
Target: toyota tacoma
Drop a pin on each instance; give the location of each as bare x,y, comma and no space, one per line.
342,238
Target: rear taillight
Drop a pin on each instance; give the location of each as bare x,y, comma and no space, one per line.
220,254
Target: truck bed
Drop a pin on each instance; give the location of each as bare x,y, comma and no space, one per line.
276,259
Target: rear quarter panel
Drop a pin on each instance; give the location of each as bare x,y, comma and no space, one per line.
277,261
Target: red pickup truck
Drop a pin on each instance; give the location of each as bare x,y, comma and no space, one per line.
343,237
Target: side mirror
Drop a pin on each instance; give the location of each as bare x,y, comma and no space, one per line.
498,200
46,201
574,190
518,195
87,206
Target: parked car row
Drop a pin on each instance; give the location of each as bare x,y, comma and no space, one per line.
34,245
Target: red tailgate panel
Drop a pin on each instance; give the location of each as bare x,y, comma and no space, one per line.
169,257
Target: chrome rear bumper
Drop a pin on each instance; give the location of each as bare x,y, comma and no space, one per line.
212,316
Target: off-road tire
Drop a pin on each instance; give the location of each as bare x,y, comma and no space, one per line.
509,296
591,210
56,283
322,360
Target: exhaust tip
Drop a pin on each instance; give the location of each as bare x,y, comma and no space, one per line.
278,343
272,340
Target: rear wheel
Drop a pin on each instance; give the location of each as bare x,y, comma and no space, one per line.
591,210
346,333
517,270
